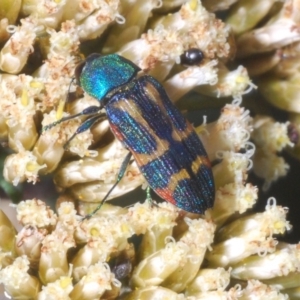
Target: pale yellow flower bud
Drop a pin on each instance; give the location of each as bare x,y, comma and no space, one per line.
7,233
152,52
208,280
198,238
271,221
95,24
231,251
178,263
22,137
289,281
112,229
143,216
17,282
29,242
270,37
154,293
103,236
232,169
183,82
49,14
270,135
231,132
258,290
53,262
21,167
289,63
245,14
79,10
279,263
248,235
94,283
234,83
49,149
67,219
58,290
85,208
156,268
232,198
35,212
65,41
154,239
18,108
160,47
15,52
90,254
89,169
133,25
269,166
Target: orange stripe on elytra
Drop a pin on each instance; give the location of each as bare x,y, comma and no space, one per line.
153,95
182,134
116,132
200,161
181,175
163,145
166,194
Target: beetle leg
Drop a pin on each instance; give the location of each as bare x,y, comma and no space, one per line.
120,176
149,197
88,123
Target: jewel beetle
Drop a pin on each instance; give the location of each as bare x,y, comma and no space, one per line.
163,143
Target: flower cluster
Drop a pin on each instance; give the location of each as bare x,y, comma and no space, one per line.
147,251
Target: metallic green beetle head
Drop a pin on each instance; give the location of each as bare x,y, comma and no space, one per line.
100,74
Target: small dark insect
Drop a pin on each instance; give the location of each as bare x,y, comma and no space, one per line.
191,57
122,269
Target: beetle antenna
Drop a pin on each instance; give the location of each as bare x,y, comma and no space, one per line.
60,109
91,110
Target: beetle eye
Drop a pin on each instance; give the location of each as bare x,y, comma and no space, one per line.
191,57
78,71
